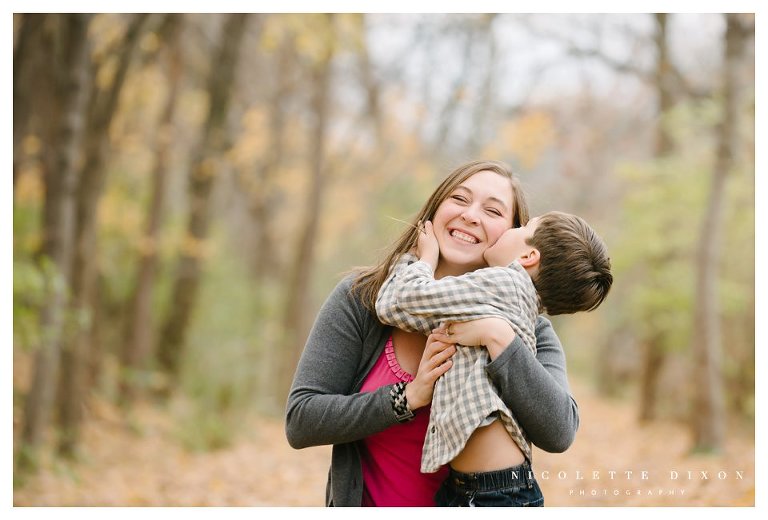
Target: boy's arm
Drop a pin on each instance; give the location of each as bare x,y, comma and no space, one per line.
387,308
413,290
412,299
410,295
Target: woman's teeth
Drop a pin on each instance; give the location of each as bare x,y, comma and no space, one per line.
464,237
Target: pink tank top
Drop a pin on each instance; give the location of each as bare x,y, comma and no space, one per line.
392,458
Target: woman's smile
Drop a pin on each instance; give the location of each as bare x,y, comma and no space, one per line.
463,236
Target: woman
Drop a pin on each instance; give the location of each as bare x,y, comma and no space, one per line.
366,388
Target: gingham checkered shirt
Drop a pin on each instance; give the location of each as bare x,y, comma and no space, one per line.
465,397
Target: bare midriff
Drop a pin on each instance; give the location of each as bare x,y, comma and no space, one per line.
489,448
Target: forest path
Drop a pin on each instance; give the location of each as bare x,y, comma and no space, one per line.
123,467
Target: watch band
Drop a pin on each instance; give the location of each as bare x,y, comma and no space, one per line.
403,412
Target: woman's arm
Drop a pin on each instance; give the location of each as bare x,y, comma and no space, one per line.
535,388
322,405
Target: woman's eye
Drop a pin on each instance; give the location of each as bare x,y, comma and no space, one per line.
459,198
494,211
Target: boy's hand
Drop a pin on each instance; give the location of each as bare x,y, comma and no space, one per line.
427,247
495,334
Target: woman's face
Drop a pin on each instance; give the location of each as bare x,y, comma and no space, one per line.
473,216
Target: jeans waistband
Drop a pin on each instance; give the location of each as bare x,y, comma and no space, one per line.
516,476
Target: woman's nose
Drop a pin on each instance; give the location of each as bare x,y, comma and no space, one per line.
469,215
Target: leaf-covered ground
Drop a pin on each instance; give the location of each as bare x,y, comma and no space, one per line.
145,466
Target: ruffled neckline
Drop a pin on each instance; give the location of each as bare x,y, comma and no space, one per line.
389,351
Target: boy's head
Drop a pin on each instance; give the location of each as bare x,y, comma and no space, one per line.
567,261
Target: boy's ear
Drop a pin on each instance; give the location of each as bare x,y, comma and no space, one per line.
530,259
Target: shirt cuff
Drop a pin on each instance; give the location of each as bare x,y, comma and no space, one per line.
505,357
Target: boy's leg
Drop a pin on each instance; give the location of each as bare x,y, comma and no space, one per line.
449,496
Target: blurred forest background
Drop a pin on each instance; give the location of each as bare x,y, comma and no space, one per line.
187,189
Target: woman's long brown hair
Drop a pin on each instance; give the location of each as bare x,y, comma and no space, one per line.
370,279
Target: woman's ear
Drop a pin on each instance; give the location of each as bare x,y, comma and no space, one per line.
530,259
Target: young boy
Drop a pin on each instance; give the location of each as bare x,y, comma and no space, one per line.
555,264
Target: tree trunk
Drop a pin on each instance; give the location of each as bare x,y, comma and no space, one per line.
261,198
139,324
294,323
369,81
665,87
84,269
654,354
59,175
488,88
26,54
448,114
262,201
708,419
653,361
203,174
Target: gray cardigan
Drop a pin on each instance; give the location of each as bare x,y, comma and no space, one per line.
325,405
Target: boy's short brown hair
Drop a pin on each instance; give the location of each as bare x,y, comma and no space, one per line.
574,268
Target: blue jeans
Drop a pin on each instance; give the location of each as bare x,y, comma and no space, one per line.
511,487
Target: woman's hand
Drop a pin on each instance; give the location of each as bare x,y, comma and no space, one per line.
435,362
495,334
